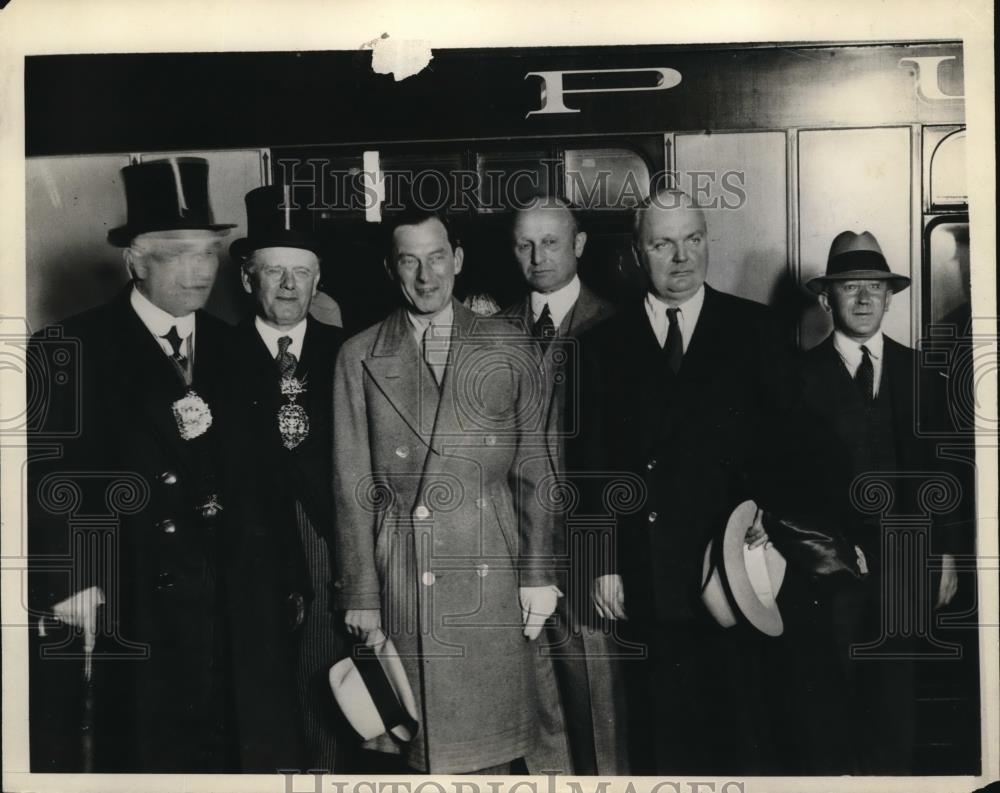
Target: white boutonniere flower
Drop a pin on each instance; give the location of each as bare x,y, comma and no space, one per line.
193,415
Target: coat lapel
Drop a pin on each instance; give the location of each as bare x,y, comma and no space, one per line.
398,370
149,382
259,369
588,310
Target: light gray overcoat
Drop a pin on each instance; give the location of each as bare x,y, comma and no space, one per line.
439,519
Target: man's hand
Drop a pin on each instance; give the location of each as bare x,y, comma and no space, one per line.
80,611
608,595
756,535
949,581
538,603
366,624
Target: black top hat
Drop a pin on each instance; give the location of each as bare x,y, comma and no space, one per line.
270,224
857,257
166,195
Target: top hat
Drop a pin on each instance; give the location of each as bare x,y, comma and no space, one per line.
269,224
741,578
857,257
373,692
166,195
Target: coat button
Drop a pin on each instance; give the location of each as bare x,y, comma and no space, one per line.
168,478
652,517
402,451
165,581
482,570
651,465
167,526
490,440
421,512
427,578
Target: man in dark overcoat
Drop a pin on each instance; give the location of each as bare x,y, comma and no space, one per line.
284,371
443,543
687,395
146,533
581,716
866,392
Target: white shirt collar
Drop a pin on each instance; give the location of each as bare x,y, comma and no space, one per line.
850,350
560,302
687,317
158,322
444,318
850,353
270,336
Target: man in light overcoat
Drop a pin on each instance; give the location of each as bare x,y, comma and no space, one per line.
443,542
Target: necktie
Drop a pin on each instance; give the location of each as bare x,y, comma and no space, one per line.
545,328
673,347
179,360
285,360
865,376
432,352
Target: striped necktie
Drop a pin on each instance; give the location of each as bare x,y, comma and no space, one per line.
286,361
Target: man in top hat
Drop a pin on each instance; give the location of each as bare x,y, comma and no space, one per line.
864,389
688,408
581,705
443,539
145,531
284,366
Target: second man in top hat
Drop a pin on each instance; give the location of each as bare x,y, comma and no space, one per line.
285,363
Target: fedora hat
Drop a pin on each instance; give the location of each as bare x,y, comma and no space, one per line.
166,195
738,580
373,693
271,224
856,257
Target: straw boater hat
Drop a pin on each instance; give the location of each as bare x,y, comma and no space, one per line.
166,195
857,257
371,688
736,579
271,223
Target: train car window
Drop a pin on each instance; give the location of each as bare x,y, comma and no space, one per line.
605,178
330,187
948,188
507,178
948,265
433,180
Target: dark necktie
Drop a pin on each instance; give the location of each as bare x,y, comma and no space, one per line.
179,360
285,360
673,347
865,376
545,328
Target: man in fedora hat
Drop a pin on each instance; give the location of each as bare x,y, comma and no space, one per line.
164,559
443,536
284,367
864,389
687,398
